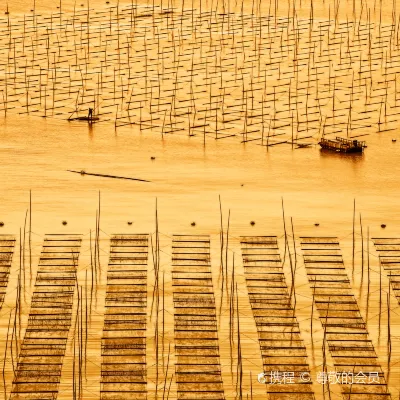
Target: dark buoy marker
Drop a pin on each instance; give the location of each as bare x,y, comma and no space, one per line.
383,225
129,222
193,224
394,140
1,223
252,223
64,222
152,158
316,224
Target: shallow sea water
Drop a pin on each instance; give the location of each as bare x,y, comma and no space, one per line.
186,181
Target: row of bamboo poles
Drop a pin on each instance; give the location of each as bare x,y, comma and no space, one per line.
271,300
284,355
7,244
389,260
123,348
40,357
265,78
345,334
197,368
345,337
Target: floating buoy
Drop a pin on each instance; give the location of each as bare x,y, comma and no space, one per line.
64,222
152,158
383,225
394,140
193,224
129,222
83,172
252,223
242,184
316,224
1,223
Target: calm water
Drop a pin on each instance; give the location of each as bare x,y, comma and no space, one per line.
187,180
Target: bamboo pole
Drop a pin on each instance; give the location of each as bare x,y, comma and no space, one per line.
354,239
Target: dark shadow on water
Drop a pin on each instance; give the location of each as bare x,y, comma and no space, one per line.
355,158
90,130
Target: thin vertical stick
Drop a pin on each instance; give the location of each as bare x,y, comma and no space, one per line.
362,251
251,387
368,274
312,309
166,373
86,324
389,339
30,238
284,228
354,221
5,358
91,275
23,254
239,348
169,387
222,272
163,320
380,294
98,237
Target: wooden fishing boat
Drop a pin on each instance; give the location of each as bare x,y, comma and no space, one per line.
343,145
89,119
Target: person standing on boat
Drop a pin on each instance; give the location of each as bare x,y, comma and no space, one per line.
90,114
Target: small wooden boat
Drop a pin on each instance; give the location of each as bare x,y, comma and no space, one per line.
88,119
342,145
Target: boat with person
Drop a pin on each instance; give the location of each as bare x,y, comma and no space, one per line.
89,119
343,145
